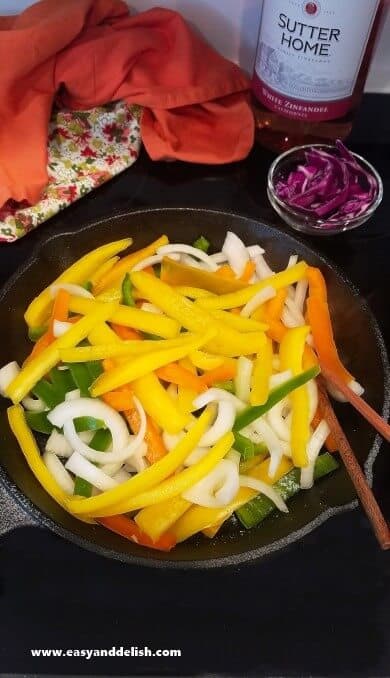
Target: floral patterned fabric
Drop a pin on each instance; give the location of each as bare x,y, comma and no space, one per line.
85,149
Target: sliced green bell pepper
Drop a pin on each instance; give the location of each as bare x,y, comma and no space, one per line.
81,378
202,244
99,442
252,413
127,291
94,368
35,333
39,422
47,392
247,448
256,510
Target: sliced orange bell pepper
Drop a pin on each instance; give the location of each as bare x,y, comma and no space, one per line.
317,284
128,529
125,332
226,271
60,307
249,270
322,331
153,439
175,374
120,400
223,373
43,342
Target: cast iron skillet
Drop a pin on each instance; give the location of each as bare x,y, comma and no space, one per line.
358,338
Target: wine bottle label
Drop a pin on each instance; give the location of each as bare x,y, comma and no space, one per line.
309,55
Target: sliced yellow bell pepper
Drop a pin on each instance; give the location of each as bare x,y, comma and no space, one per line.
127,263
192,292
37,367
102,270
206,361
156,519
30,449
174,273
147,479
291,358
172,487
199,518
39,310
238,299
262,371
144,364
152,323
103,334
158,404
121,349
238,322
228,342
111,294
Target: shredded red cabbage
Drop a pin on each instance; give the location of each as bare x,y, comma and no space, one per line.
330,185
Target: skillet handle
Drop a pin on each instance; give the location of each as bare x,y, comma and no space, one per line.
12,514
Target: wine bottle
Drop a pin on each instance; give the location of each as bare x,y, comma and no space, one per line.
311,66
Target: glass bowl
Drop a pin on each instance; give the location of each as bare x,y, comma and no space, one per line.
298,220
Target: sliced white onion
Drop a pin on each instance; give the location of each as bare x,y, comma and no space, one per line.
279,378
242,380
258,300
218,488
300,293
335,393
150,308
279,418
152,261
293,260
234,456
295,311
272,442
236,253
34,404
86,437
58,471
111,469
310,340
196,455
74,290
7,375
314,447
121,476
181,248
288,319
223,423
60,328
58,444
63,414
194,263
356,387
73,395
171,439
262,268
267,490
137,461
83,468
254,251
275,363
215,395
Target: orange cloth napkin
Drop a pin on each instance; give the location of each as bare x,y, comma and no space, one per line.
90,52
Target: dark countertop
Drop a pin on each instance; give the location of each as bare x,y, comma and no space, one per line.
321,607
